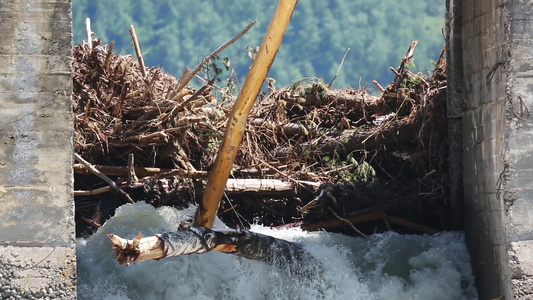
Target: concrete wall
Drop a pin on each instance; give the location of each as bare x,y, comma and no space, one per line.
37,247
490,48
519,185
477,108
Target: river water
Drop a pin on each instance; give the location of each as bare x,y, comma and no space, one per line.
385,266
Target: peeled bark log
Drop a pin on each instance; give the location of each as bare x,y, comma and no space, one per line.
268,186
218,176
347,97
197,240
260,187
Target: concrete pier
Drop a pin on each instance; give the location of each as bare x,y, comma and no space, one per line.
490,106
37,246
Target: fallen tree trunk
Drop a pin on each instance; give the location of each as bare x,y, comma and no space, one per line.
264,186
260,187
351,98
197,240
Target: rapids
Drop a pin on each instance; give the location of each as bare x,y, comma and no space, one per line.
385,266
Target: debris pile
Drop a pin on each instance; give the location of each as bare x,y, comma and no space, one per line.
310,154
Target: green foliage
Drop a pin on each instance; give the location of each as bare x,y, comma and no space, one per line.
317,86
298,83
364,173
310,85
415,81
351,170
252,52
215,67
410,65
177,34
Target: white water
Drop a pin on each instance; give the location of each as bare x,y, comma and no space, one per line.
386,266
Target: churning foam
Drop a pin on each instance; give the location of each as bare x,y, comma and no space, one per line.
385,266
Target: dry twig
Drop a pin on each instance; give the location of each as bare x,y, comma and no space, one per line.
111,183
138,50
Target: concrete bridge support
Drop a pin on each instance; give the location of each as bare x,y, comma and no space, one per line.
37,246
490,85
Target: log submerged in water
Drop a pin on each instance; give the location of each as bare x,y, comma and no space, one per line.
197,240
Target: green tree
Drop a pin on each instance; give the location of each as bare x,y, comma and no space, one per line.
180,34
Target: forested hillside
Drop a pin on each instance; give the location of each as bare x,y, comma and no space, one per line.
177,34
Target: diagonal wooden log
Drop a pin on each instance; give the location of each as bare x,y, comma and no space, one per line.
216,183
189,75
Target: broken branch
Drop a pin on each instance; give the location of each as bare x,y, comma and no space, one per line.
138,50
89,32
189,75
111,183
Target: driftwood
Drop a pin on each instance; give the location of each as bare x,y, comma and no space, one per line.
143,125
138,51
352,98
197,240
269,186
258,187
296,139
187,76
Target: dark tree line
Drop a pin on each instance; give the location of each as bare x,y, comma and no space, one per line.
179,34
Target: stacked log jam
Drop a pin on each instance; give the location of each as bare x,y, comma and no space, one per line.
312,155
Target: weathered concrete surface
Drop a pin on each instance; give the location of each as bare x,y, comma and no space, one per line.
37,247
477,112
490,84
519,187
